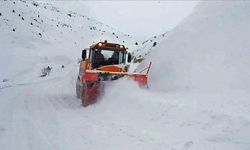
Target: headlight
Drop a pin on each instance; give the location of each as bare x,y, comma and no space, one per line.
121,46
100,44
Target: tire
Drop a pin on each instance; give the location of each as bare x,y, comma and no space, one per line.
78,88
83,93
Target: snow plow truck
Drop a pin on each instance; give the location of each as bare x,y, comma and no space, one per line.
104,62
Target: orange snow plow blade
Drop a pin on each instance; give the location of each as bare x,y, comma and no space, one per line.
141,79
93,87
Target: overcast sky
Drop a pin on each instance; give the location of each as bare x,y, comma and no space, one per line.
141,19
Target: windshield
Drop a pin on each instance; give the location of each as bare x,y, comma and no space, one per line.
102,57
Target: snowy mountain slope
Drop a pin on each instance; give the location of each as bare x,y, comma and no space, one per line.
37,34
147,46
44,113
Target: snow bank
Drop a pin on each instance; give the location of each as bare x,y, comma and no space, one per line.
208,50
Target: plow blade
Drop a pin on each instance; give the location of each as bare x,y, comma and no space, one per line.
92,88
141,79
92,83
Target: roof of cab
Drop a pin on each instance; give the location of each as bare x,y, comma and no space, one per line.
111,46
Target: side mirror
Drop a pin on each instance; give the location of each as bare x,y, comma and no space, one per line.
83,54
129,57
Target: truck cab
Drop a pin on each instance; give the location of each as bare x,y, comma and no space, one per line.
106,56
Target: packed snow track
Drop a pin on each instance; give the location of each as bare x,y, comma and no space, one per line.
47,115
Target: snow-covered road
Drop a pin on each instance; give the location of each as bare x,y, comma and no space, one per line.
46,115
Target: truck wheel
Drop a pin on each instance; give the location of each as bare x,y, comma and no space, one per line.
84,95
78,88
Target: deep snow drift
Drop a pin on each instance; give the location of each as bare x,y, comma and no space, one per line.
179,111
209,49
200,73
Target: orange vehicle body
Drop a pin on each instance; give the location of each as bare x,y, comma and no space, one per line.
90,80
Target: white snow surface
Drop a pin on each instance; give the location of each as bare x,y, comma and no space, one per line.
198,96
209,49
63,35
